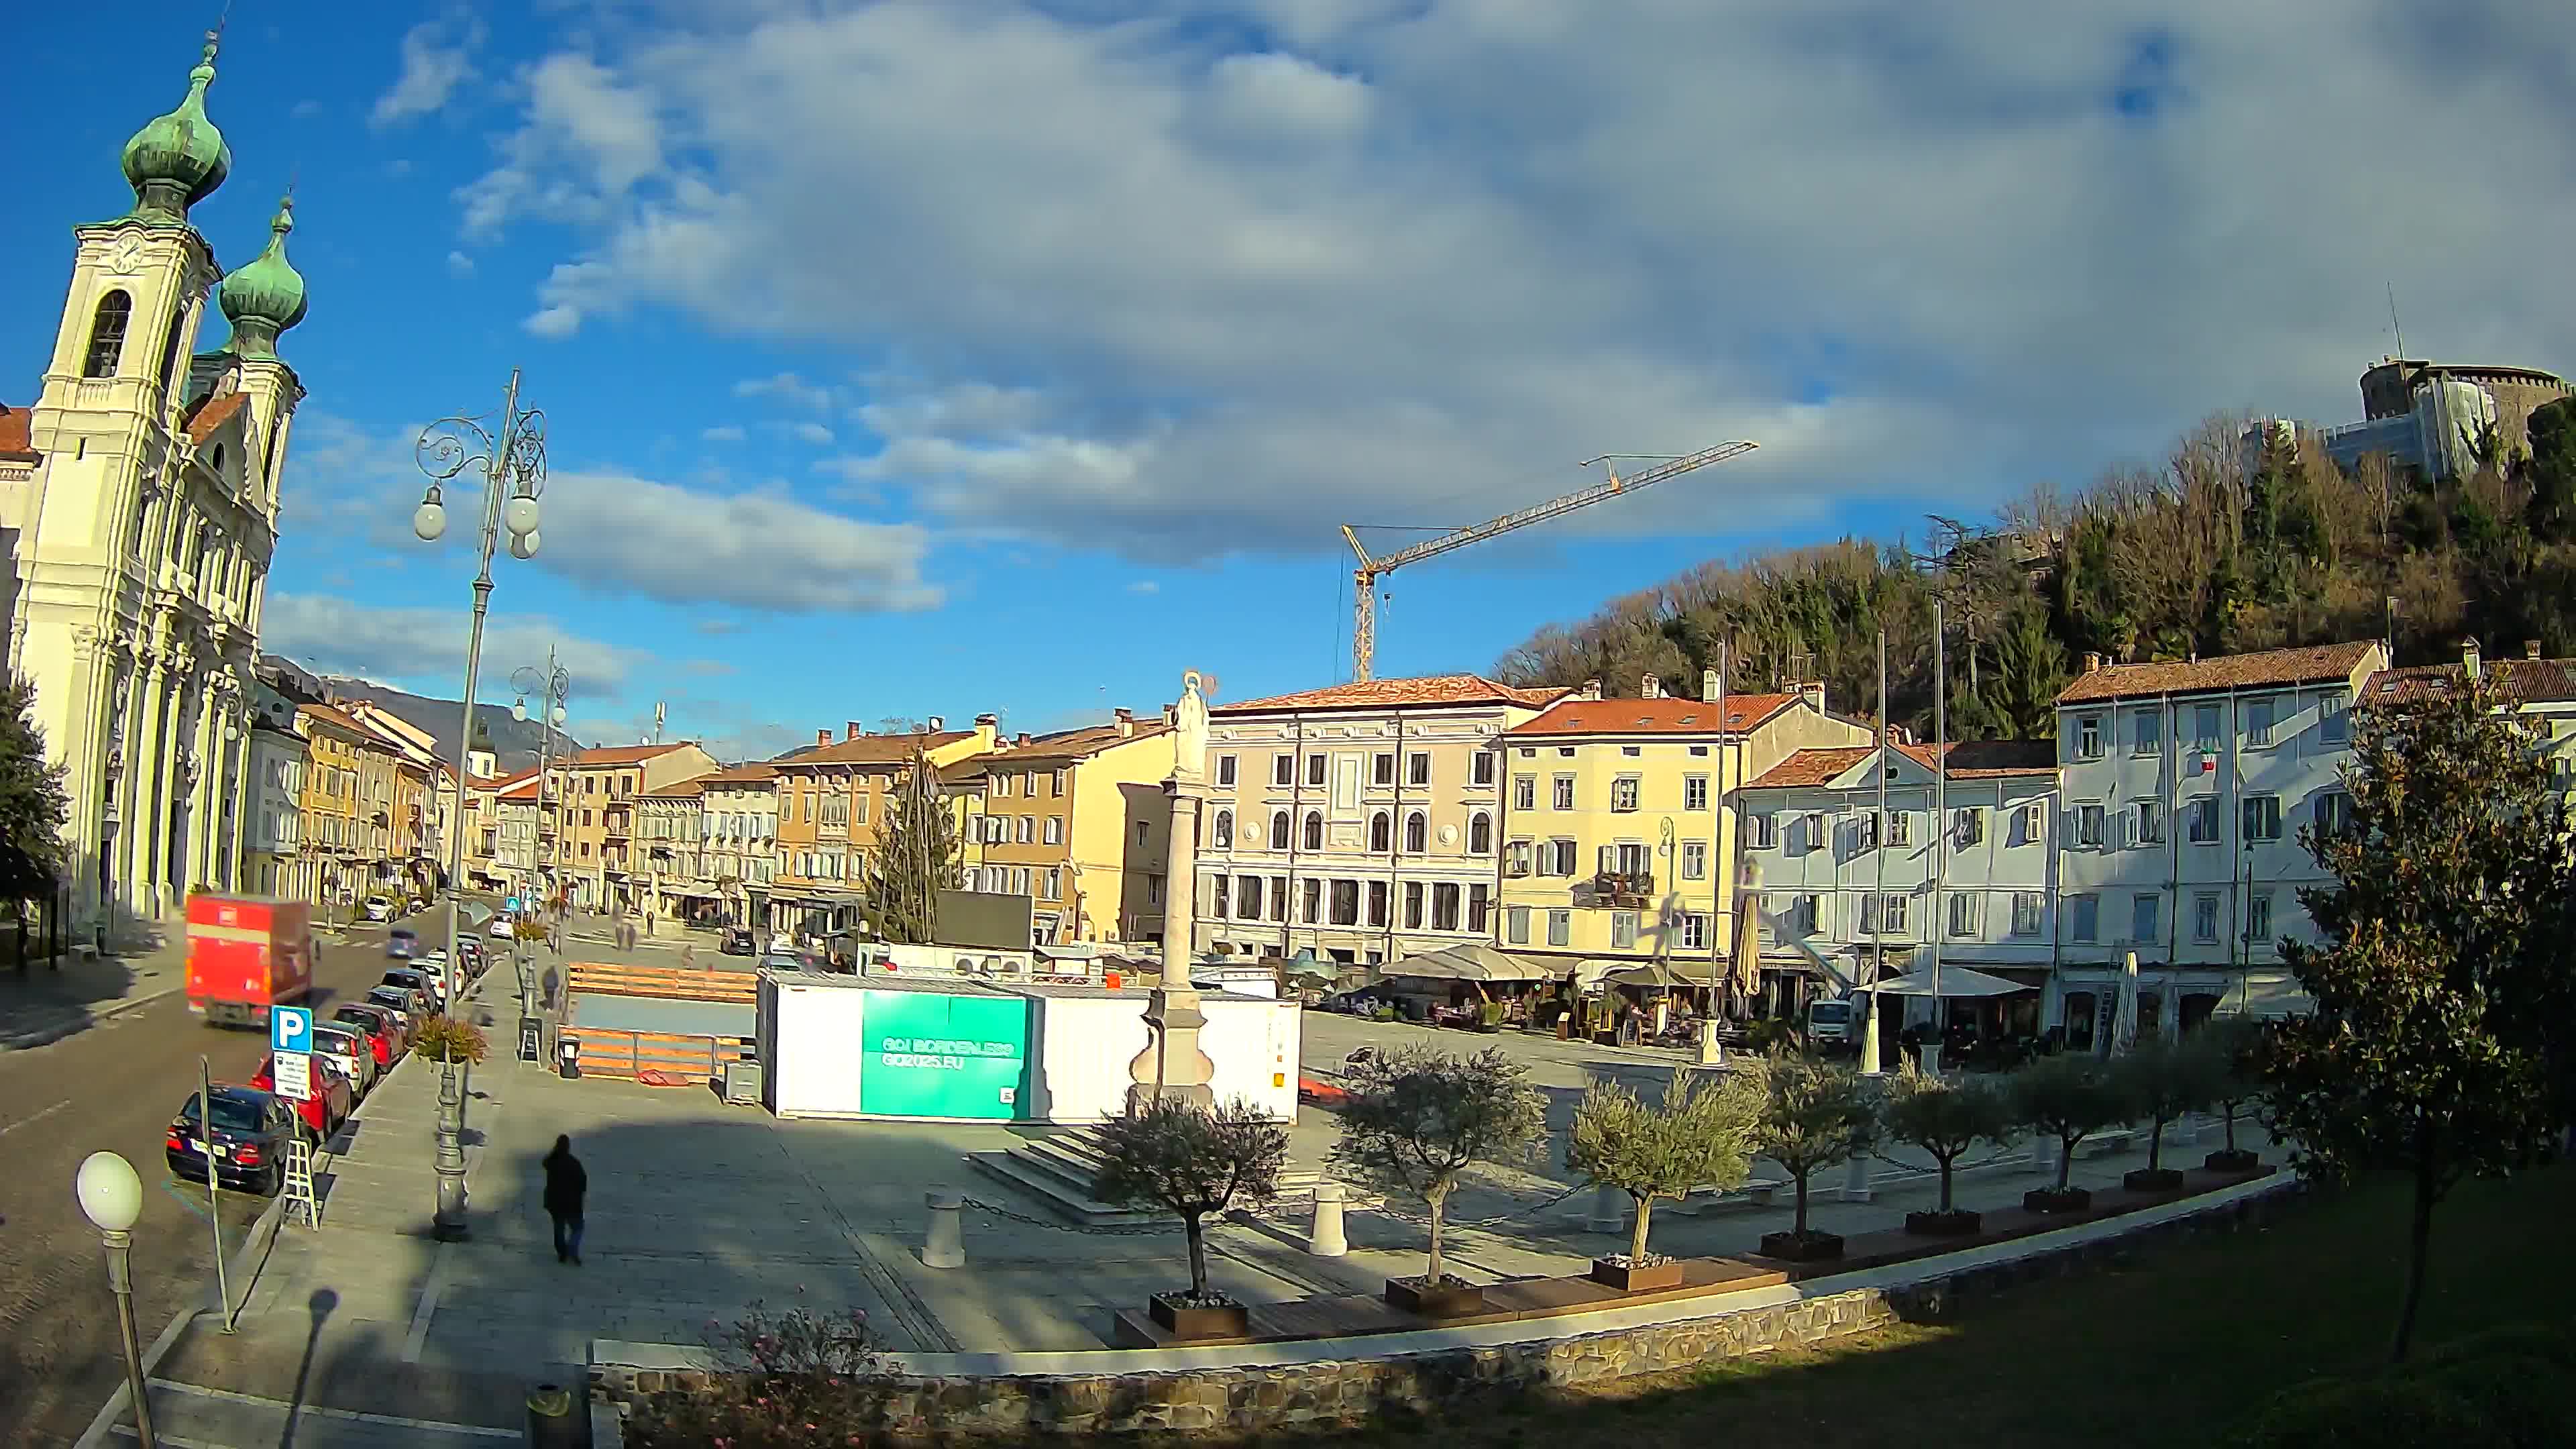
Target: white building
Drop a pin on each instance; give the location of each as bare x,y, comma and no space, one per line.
1359,820
2541,690
1840,879
2186,785
740,826
144,529
272,815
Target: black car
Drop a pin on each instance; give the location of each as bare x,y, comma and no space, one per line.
249,1141
738,942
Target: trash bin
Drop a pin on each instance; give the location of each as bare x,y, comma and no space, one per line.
554,1419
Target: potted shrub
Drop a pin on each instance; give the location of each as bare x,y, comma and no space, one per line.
1414,1120
1946,1118
2068,1097
1192,1161
1814,1115
2234,1083
2161,1080
1700,1137
451,1039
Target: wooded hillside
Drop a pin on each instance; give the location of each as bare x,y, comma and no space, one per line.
2229,546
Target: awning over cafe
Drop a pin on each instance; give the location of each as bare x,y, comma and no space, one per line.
1954,981
1468,961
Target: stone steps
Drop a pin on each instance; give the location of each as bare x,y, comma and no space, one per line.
1058,1170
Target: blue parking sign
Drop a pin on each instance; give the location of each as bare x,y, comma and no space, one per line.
510,904
290,1029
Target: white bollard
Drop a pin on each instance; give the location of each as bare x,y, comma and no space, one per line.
1712,1052
1856,1180
1327,1239
1609,1211
1931,1059
945,1244
2043,1155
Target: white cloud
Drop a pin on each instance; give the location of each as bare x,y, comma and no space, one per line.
1406,261
554,323
788,388
812,433
724,433
1144,586
305,110
459,264
437,58
424,648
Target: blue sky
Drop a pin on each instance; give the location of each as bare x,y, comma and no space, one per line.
911,359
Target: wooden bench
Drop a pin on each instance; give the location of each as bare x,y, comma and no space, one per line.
632,1055
1760,1191
2111,1143
667,983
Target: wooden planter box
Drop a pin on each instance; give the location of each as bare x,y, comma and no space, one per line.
1628,1278
2151,1179
1228,1320
1958,1224
2237,1161
1447,1300
1814,1247
2050,1200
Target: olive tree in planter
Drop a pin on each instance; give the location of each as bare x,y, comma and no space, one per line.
2068,1097
1192,1161
2162,1080
1701,1136
2230,1044
1946,1118
1815,1115
1414,1120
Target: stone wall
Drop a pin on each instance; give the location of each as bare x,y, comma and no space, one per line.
1231,1400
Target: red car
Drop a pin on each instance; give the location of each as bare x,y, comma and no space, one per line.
326,1108
384,1032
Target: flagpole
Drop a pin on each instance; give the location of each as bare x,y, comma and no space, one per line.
1940,807
1878,836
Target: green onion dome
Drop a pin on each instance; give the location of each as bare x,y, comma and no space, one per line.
266,296
179,159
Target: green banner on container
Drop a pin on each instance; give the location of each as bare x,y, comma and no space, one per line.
944,1056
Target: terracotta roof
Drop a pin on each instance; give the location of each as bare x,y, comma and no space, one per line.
498,783
1968,760
871,750
622,755
1428,690
17,442
1065,747
2316,664
1653,716
681,790
2529,681
331,716
759,773
212,413
518,787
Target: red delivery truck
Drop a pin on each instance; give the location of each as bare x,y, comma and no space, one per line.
245,955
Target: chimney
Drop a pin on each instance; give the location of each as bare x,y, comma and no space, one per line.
2530,648
822,737
2092,662
1708,685
1171,716
851,730
1022,742
936,723
1591,690
1814,695
2469,660
1651,687
988,729
1126,722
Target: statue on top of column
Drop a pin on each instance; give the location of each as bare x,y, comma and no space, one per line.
1190,719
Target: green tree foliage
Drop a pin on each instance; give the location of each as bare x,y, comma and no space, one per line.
1416,1118
33,809
1191,1161
2237,541
916,857
1946,1117
2439,1046
2231,1047
2163,1079
1815,1115
1700,1137
2069,1097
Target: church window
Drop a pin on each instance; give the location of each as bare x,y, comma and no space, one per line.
170,348
107,334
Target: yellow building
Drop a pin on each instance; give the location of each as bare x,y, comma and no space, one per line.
1618,823
833,802
328,805
1077,822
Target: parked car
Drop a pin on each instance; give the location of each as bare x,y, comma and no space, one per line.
325,1108
386,1030
470,953
402,942
433,990
245,1145
500,928
406,1002
738,942
783,961
380,908
348,1046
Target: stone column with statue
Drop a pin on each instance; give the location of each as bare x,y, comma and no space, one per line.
1172,1064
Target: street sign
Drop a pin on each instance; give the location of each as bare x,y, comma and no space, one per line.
293,1074
510,904
290,1029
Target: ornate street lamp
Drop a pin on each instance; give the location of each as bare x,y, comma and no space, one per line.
111,1197
510,454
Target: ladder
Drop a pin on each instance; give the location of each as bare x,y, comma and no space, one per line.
297,1188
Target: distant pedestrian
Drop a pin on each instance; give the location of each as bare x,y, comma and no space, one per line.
566,1184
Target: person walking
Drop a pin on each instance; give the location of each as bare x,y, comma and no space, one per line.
566,1183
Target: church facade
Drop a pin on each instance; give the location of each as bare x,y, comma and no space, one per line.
142,518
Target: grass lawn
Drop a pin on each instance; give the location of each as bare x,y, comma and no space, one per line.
2172,1351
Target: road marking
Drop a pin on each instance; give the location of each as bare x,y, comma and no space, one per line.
481,1431
418,1339
38,1117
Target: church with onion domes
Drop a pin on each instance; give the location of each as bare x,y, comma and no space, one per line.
138,519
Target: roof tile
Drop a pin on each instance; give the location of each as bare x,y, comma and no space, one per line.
2529,681
2315,664
212,413
1968,760
1653,716
17,441
871,750
1426,690
622,755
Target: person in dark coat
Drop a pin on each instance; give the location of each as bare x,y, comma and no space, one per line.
565,1185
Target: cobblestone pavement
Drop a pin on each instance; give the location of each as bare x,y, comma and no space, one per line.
113,1083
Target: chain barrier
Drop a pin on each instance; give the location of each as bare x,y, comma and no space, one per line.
1423,1220
1103,1230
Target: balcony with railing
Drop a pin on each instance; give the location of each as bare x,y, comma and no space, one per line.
1623,887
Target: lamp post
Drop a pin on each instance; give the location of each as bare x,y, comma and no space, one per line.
510,452
552,686
111,1197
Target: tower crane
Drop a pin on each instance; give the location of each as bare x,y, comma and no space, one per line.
1370,570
